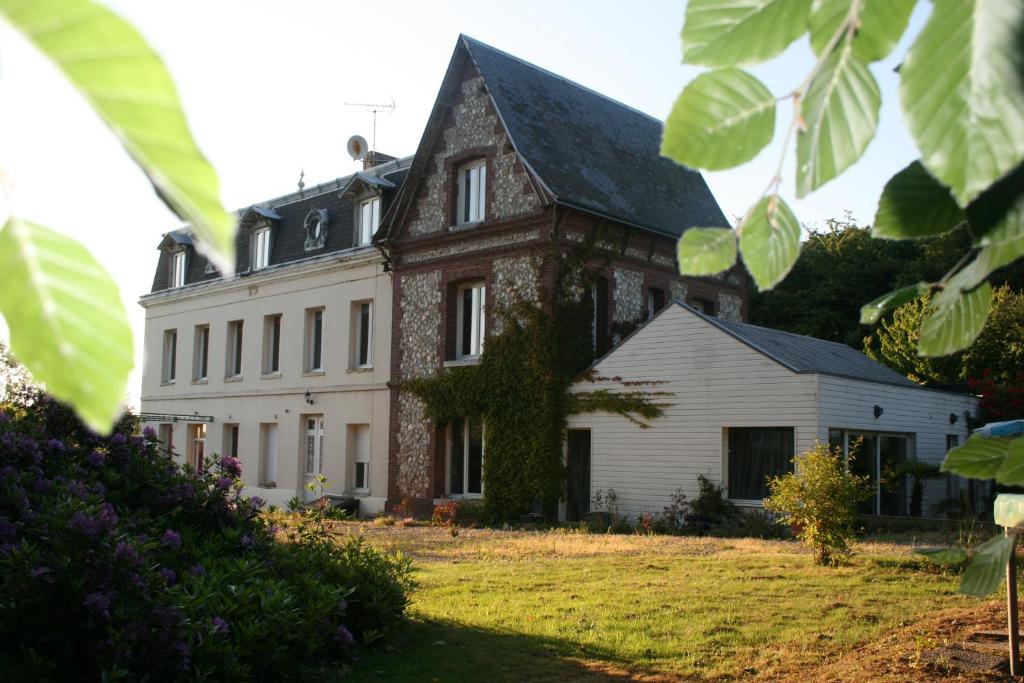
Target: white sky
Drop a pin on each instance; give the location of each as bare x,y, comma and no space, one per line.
264,85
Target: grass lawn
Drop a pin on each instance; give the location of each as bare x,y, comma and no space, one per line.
556,606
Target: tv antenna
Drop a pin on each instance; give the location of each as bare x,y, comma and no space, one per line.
374,108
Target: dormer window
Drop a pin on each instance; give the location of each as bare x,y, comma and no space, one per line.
260,248
178,269
472,192
369,220
316,228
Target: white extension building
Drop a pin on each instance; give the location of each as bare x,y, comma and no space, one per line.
745,400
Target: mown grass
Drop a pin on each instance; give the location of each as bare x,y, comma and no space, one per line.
518,606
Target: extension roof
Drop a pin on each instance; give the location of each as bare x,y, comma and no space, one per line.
804,354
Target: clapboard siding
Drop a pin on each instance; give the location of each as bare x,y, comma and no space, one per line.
849,404
717,382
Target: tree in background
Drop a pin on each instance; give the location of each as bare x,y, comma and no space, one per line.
997,353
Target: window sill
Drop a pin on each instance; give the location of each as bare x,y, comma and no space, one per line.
167,383
358,493
233,378
458,496
313,373
462,362
271,375
747,502
466,226
267,484
201,380
361,368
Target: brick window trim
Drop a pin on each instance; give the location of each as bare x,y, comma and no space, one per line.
451,281
451,183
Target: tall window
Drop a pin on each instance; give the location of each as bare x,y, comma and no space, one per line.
234,349
271,344
359,442
230,446
268,454
178,269
362,334
465,457
201,352
170,357
470,320
655,301
369,219
197,446
260,248
314,361
756,453
166,436
472,192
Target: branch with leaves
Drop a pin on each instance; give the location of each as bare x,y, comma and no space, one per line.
962,108
67,323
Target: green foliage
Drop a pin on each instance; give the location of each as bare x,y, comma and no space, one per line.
987,566
962,109
742,31
944,555
707,251
67,323
980,457
721,119
711,508
118,564
997,352
819,498
769,241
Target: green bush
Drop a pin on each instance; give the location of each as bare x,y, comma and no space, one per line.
116,563
818,499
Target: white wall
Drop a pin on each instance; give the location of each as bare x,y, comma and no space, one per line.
342,395
720,382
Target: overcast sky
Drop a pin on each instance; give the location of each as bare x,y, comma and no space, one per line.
264,85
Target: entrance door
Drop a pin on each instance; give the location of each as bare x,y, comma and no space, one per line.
578,494
314,455
197,446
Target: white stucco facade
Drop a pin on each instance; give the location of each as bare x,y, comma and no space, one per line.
347,400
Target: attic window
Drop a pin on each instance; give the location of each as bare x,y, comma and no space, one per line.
316,228
472,192
369,220
178,268
260,246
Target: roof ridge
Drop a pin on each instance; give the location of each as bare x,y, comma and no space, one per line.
796,334
470,40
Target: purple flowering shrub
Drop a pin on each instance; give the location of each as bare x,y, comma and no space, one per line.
116,562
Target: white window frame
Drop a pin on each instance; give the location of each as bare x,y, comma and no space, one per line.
235,336
476,321
260,248
357,334
310,362
169,368
201,354
313,454
268,455
369,220
197,445
471,204
178,268
876,460
465,460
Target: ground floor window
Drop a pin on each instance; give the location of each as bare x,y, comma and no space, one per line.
877,456
166,436
754,455
465,457
268,454
197,446
359,448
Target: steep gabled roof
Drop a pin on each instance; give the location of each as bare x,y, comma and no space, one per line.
592,152
804,354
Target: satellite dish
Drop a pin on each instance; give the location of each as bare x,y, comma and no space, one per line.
357,147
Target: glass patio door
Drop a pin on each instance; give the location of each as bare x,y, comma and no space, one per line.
314,461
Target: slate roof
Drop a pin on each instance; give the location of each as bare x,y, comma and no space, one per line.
592,152
804,354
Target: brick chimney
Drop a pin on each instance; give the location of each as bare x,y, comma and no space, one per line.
376,159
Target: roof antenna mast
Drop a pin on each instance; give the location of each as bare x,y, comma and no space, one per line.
374,108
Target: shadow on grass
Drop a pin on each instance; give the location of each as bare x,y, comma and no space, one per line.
429,650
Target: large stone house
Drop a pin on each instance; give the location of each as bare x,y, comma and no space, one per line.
296,362
518,166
